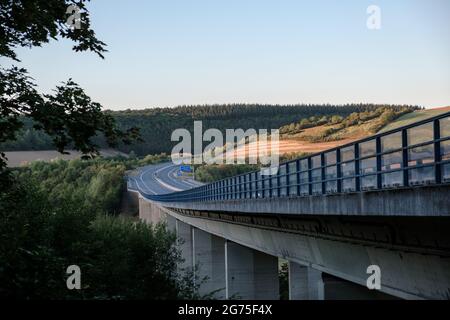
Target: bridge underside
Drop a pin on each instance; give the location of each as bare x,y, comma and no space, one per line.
413,253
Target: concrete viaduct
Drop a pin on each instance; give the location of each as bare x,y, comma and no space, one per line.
383,201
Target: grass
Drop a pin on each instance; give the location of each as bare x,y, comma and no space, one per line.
414,117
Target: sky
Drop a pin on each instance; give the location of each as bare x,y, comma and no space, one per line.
166,53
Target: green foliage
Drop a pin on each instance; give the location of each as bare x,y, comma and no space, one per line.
156,125
95,184
283,275
214,172
27,23
68,116
374,120
131,261
293,155
53,216
211,173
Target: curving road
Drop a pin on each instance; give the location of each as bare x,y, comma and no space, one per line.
160,179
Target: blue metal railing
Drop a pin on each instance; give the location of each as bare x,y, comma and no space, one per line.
416,154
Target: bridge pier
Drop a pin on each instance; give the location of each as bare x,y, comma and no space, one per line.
185,244
209,258
305,283
171,223
250,274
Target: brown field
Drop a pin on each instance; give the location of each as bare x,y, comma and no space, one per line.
287,146
298,143
22,158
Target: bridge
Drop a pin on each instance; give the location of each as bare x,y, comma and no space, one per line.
381,201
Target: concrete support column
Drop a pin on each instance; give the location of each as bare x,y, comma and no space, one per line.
150,212
250,274
305,283
171,223
315,284
209,259
185,244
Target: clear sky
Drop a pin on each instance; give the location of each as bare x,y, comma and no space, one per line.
167,53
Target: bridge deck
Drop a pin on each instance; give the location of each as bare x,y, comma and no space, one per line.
397,166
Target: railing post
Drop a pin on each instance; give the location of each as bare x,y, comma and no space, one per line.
309,176
237,182
437,151
378,155
297,168
263,186
338,171
405,157
249,183
322,172
357,170
270,186
287,180
278,177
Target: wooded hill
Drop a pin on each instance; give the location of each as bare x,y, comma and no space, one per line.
157,124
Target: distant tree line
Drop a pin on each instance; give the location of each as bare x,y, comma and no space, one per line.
66,213
157,124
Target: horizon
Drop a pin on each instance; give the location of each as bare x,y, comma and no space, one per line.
257,52
277,104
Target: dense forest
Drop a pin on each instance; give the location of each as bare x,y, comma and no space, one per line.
157,124
65,213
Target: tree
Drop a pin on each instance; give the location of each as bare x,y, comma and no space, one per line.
68,116
28,23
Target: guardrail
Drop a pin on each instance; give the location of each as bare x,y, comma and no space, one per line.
413,155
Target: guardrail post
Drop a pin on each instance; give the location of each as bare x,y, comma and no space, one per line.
270,186
263,186
338,171
249,184
287,180
437,150
378,155
322,172
309,176
278,193
405,157
297,168
357,170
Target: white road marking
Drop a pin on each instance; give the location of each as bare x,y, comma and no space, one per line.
143,172
168,186
143,186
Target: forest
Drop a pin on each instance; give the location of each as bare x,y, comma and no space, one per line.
67,213
157,124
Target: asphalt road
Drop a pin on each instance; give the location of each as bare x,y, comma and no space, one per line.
160,179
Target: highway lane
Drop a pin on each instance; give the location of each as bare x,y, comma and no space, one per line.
160,179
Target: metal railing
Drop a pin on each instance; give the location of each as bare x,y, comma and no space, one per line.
413,155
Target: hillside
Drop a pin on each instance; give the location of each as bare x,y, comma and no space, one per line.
315,134
329,135
157,124
414,117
